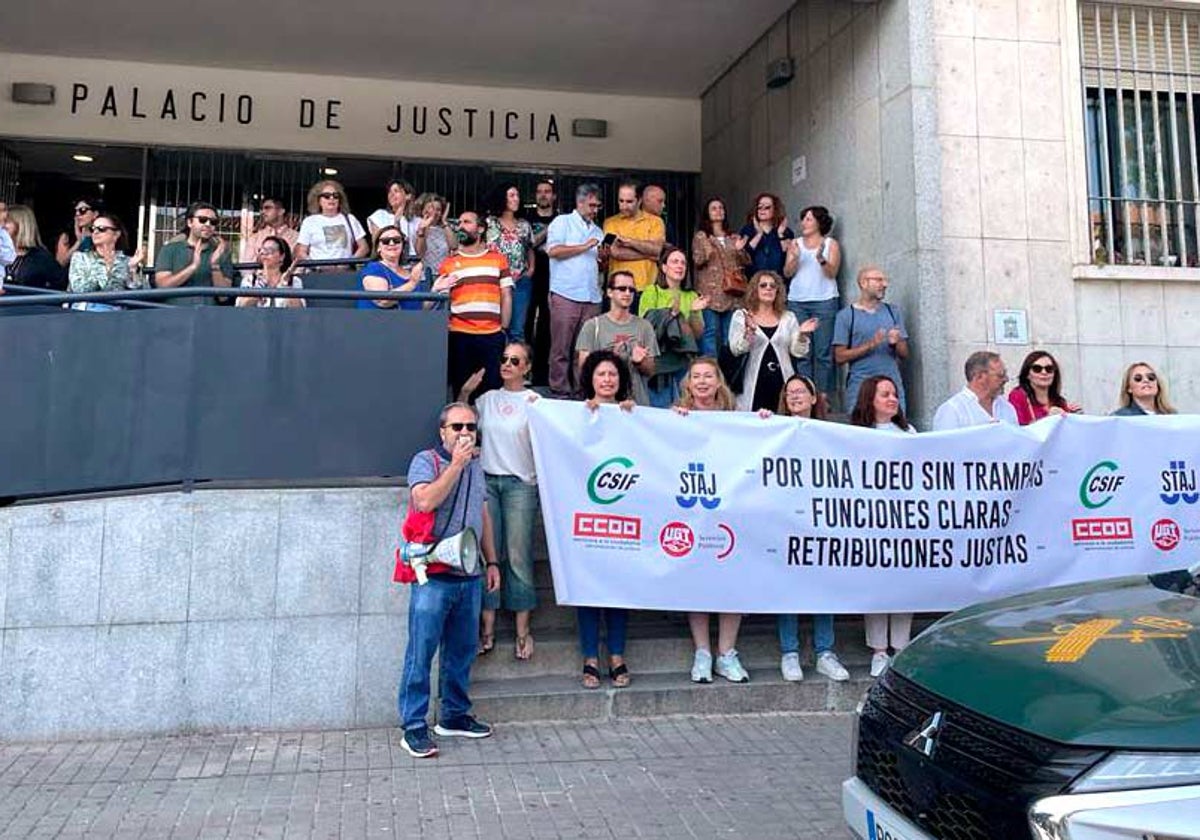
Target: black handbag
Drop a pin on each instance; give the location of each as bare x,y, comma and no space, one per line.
733,367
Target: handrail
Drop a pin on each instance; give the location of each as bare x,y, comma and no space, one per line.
134,295
33,296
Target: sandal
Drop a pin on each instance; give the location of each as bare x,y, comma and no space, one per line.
524,650
487,641
619,676
591,676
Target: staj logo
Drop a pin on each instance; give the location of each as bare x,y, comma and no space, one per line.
1101,529
677,539
1179,485
696,485
1100,484
1165,534
611,481
606,526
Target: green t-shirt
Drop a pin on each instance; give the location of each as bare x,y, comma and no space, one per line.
655,298
177,255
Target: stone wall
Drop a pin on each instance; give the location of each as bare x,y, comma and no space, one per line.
861,112
218,609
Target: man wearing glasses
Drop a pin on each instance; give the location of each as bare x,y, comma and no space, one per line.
443,614
202,259
575,247
629,336
981,401
869,336
272,221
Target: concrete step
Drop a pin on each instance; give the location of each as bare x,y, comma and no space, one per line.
655,646
653,694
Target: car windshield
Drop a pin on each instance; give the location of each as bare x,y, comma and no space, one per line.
1183,581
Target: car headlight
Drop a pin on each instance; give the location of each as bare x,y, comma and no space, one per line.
1132,771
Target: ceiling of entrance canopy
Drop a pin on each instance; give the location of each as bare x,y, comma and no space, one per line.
648,47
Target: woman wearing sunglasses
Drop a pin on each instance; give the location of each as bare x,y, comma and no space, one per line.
1038,393
275,256
77,237
387,272
512,494
1143,392
331,231
104,268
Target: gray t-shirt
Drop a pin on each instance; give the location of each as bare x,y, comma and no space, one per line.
853,327
463,507
602,333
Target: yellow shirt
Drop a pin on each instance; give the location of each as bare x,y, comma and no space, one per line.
642,226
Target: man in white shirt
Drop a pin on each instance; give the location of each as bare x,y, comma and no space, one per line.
573,243
981,401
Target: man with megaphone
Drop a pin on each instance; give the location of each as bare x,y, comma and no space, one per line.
447,495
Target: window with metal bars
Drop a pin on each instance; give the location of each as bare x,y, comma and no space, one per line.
1141,79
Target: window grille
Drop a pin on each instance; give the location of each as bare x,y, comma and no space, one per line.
1141,77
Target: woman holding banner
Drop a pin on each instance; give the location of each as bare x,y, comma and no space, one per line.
878,407
704,389
799,398
605,380
1039,390
1143,392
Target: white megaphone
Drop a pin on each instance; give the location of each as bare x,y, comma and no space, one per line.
460,552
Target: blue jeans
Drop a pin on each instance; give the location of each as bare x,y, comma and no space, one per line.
819,365
664,396
588,619
441,615
789,633
716,332
513,506
522,293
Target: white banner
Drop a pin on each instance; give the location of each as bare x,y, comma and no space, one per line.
724,511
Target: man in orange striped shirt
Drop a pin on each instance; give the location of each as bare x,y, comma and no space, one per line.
480,286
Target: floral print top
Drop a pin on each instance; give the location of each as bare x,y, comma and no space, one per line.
513,243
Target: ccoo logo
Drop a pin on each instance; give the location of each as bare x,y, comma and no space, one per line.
611,480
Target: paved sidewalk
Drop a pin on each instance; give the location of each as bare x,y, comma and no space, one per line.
760,776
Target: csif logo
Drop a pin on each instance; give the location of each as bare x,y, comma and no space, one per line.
1100,484
611,480
1179,484
696,485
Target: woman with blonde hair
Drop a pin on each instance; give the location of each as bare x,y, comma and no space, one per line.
34,265
330,231
1143,392
770,333
704,389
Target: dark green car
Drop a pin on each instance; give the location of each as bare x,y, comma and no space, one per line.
1069,714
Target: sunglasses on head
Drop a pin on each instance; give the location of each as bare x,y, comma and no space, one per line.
205,220
391,240
101,229
1149,377
82,210
330,195
515,361
1035,368
458,427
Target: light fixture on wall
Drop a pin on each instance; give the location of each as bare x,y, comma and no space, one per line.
780,71
33,93
589,128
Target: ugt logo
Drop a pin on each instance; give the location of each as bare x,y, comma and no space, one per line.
695,485
1179,483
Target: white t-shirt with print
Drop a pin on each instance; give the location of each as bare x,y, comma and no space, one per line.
330,237
504,421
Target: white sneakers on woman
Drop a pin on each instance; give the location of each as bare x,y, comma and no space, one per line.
879,663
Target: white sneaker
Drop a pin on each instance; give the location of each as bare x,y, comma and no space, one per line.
730,667
789,664
702,667
829,665
879,664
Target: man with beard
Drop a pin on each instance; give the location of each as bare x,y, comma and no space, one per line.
537,321
200,260
480,286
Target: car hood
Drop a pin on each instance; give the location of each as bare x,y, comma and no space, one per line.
1111,664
